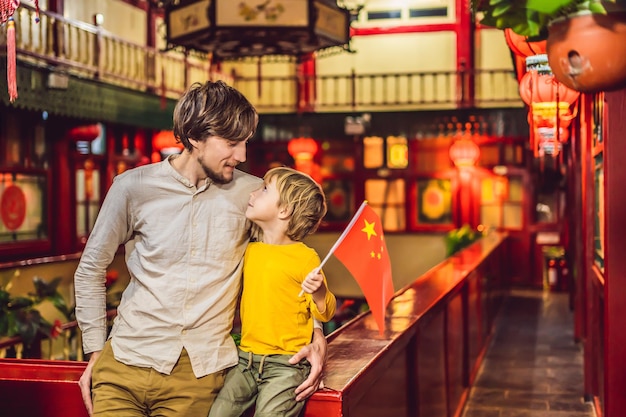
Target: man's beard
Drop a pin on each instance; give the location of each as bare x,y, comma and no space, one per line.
215,177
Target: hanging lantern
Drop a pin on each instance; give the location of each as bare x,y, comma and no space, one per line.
87,133
302,148
545,137
521,46
232,30
549,101
464,152
166,143
535,87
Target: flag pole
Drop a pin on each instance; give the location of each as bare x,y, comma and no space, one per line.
341,238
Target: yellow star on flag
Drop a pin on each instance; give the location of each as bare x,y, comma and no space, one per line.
369,229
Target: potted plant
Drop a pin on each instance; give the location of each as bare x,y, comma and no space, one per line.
20,316
586,39
460,238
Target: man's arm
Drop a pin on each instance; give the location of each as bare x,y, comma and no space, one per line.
315,353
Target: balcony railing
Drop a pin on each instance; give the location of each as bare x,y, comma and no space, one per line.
85,50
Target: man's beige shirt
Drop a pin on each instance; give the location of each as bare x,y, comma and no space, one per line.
184,250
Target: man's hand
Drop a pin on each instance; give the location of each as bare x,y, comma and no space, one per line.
85,382
315,353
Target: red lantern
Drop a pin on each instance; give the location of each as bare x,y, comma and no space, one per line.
521,46
545,138
535,87
165,140
302,148
85,133
464,152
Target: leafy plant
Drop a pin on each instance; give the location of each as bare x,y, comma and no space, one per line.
19,315
531,18
460,238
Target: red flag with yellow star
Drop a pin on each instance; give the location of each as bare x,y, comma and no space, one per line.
363,251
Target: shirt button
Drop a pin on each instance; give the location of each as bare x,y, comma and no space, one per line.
184,332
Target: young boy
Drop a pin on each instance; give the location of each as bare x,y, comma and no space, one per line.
283,290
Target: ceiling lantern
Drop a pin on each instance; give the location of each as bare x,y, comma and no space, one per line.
464,152
234,29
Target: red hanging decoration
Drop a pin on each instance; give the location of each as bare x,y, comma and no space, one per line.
11,61
521,46
536,87
464,152
7,8
549,115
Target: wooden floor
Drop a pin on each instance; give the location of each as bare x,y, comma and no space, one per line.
533,367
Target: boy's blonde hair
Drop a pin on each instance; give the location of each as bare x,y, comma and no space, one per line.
302,197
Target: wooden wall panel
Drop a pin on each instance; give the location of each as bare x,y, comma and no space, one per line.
431,385
455,353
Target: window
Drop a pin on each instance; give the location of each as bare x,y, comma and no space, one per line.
501,201
392,152
387,199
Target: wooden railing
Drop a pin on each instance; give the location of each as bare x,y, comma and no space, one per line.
81,49
438,328
65,346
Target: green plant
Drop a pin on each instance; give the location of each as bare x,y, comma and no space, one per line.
19,315
460,238
531,18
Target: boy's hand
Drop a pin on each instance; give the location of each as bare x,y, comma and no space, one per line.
313,281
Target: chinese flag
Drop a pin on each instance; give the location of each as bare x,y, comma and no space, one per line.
363,251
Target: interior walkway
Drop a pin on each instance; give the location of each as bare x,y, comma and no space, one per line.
533,366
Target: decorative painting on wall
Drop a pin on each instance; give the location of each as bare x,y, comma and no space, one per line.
22,207
434,202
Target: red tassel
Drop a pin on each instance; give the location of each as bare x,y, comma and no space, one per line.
11,64
37,11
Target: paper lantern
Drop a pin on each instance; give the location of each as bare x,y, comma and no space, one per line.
464,152
85,133
535,87
165,140
302,148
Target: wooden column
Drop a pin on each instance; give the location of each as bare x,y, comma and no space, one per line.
615,262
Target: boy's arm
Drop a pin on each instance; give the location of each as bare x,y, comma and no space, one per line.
325,304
